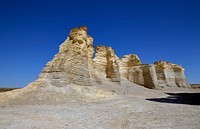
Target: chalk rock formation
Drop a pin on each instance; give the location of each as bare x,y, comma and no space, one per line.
107,63
100,60
126,62
169,74
144,75
73,62
72,75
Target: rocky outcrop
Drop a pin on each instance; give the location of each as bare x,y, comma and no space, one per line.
73,75
73,64
100,60
169,74
107,63
157,75
126,62
180,78
144,75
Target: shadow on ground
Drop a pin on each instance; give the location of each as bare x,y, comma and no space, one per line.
179,98
7,89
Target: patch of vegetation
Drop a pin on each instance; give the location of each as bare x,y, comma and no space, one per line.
7,89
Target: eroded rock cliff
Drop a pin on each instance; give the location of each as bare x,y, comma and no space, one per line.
73,64
171,75
107,63
73,75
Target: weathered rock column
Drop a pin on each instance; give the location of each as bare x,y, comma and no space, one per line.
135,74
180,78
150,78
171,75
127,62
73,62
107,63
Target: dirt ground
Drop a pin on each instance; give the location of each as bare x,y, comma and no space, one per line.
173,108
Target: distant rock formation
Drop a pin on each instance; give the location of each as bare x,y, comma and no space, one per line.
73,64
169,74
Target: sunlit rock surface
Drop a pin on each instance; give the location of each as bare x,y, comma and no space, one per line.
76,73
171,75
73,64
73,61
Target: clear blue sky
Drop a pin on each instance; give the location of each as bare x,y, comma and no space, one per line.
32,30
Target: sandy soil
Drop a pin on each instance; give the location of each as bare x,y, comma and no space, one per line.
140,109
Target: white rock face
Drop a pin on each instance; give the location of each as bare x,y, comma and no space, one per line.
169,74
144,75
100,60
74,91
72,75
73,64
126,62
107,63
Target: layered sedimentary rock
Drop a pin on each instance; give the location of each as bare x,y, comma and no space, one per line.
73,75
169,74
157,75
107,63
100,60
126,62
144,75
73,64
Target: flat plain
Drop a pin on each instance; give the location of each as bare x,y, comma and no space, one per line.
134,108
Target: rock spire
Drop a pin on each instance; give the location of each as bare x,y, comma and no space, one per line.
73,64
